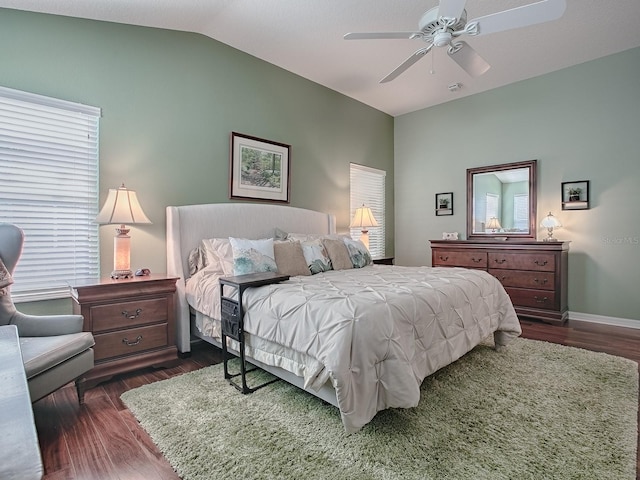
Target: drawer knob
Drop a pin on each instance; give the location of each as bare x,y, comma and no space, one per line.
543,281
132,316
476,260
541,300
500,260
444,259
127,342
541,263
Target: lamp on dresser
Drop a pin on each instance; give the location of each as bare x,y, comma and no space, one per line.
122,207
363,219
550,223
494,224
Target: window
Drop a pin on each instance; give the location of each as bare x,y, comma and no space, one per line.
367,187
521,212
49,188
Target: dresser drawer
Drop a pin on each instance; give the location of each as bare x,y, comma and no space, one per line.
128,314
544,299
523,261
130,341
453,258
525,279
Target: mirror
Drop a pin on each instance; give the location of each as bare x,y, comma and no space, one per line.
501,201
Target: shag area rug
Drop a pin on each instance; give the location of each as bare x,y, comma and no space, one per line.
533,411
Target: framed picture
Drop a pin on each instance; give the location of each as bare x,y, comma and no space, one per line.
575,195
259,169
444,204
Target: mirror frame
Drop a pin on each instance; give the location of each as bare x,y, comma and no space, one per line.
531,165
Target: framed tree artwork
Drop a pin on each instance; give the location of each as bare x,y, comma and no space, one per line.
259,169
444,204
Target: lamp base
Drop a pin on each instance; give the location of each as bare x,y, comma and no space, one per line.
550,239
121,274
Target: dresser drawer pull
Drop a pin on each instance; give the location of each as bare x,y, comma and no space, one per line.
540,263
125,313
500,261
126,341
543,281
540,300
476,260
444,259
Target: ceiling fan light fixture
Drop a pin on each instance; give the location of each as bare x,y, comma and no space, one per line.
442,39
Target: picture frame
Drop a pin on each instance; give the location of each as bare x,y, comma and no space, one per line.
259,169
444,204
575,195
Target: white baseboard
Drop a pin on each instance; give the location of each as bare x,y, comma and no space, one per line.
619,322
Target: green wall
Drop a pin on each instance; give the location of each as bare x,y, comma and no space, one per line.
581,123
169,103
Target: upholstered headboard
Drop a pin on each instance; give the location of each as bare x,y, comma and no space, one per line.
188,224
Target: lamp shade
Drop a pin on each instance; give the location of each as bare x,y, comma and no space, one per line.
363,218
494,224
550,222
121,207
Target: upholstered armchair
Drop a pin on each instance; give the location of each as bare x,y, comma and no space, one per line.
55,350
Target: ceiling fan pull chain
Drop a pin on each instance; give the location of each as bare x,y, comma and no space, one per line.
432,71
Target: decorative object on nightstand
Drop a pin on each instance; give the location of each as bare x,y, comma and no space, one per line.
232,316
493,224
363,219
132,321
444,204
550,222
122,207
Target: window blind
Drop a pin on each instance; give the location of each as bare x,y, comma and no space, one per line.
368,187
49,188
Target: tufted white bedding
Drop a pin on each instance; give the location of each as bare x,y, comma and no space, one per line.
378,331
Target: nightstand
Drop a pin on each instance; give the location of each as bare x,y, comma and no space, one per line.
232,321
383,261
132,321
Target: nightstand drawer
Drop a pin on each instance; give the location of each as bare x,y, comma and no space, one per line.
518,261
128,314
452,258
130,341
525,279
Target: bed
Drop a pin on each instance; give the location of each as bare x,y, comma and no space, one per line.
362,339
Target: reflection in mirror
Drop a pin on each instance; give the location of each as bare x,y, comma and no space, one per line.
501,200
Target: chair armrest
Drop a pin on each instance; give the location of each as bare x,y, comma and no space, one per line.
47,325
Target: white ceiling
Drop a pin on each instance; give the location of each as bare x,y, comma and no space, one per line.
305,37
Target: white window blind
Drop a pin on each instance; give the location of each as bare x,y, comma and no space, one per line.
368,188
49,188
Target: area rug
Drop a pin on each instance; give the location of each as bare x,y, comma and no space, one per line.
533,411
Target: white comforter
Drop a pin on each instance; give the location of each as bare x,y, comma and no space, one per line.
379,331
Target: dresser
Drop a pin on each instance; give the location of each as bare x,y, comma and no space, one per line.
132,321
534,274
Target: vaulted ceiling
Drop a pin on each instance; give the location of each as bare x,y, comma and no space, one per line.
306,38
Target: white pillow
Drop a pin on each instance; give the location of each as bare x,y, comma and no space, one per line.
217,251
252,256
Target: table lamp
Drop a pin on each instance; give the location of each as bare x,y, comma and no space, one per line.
550,222
363,219
122,207
494,224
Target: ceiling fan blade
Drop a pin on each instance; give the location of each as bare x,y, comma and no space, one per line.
468,59
379,35
531,14
406,64
451,8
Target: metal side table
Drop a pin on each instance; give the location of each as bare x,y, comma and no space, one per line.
233,323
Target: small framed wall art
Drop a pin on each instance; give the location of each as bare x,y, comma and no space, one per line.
575,195
444,204
259,169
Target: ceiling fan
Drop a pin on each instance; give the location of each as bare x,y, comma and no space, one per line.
442,25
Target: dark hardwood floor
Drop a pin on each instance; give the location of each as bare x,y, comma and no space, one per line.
102,440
